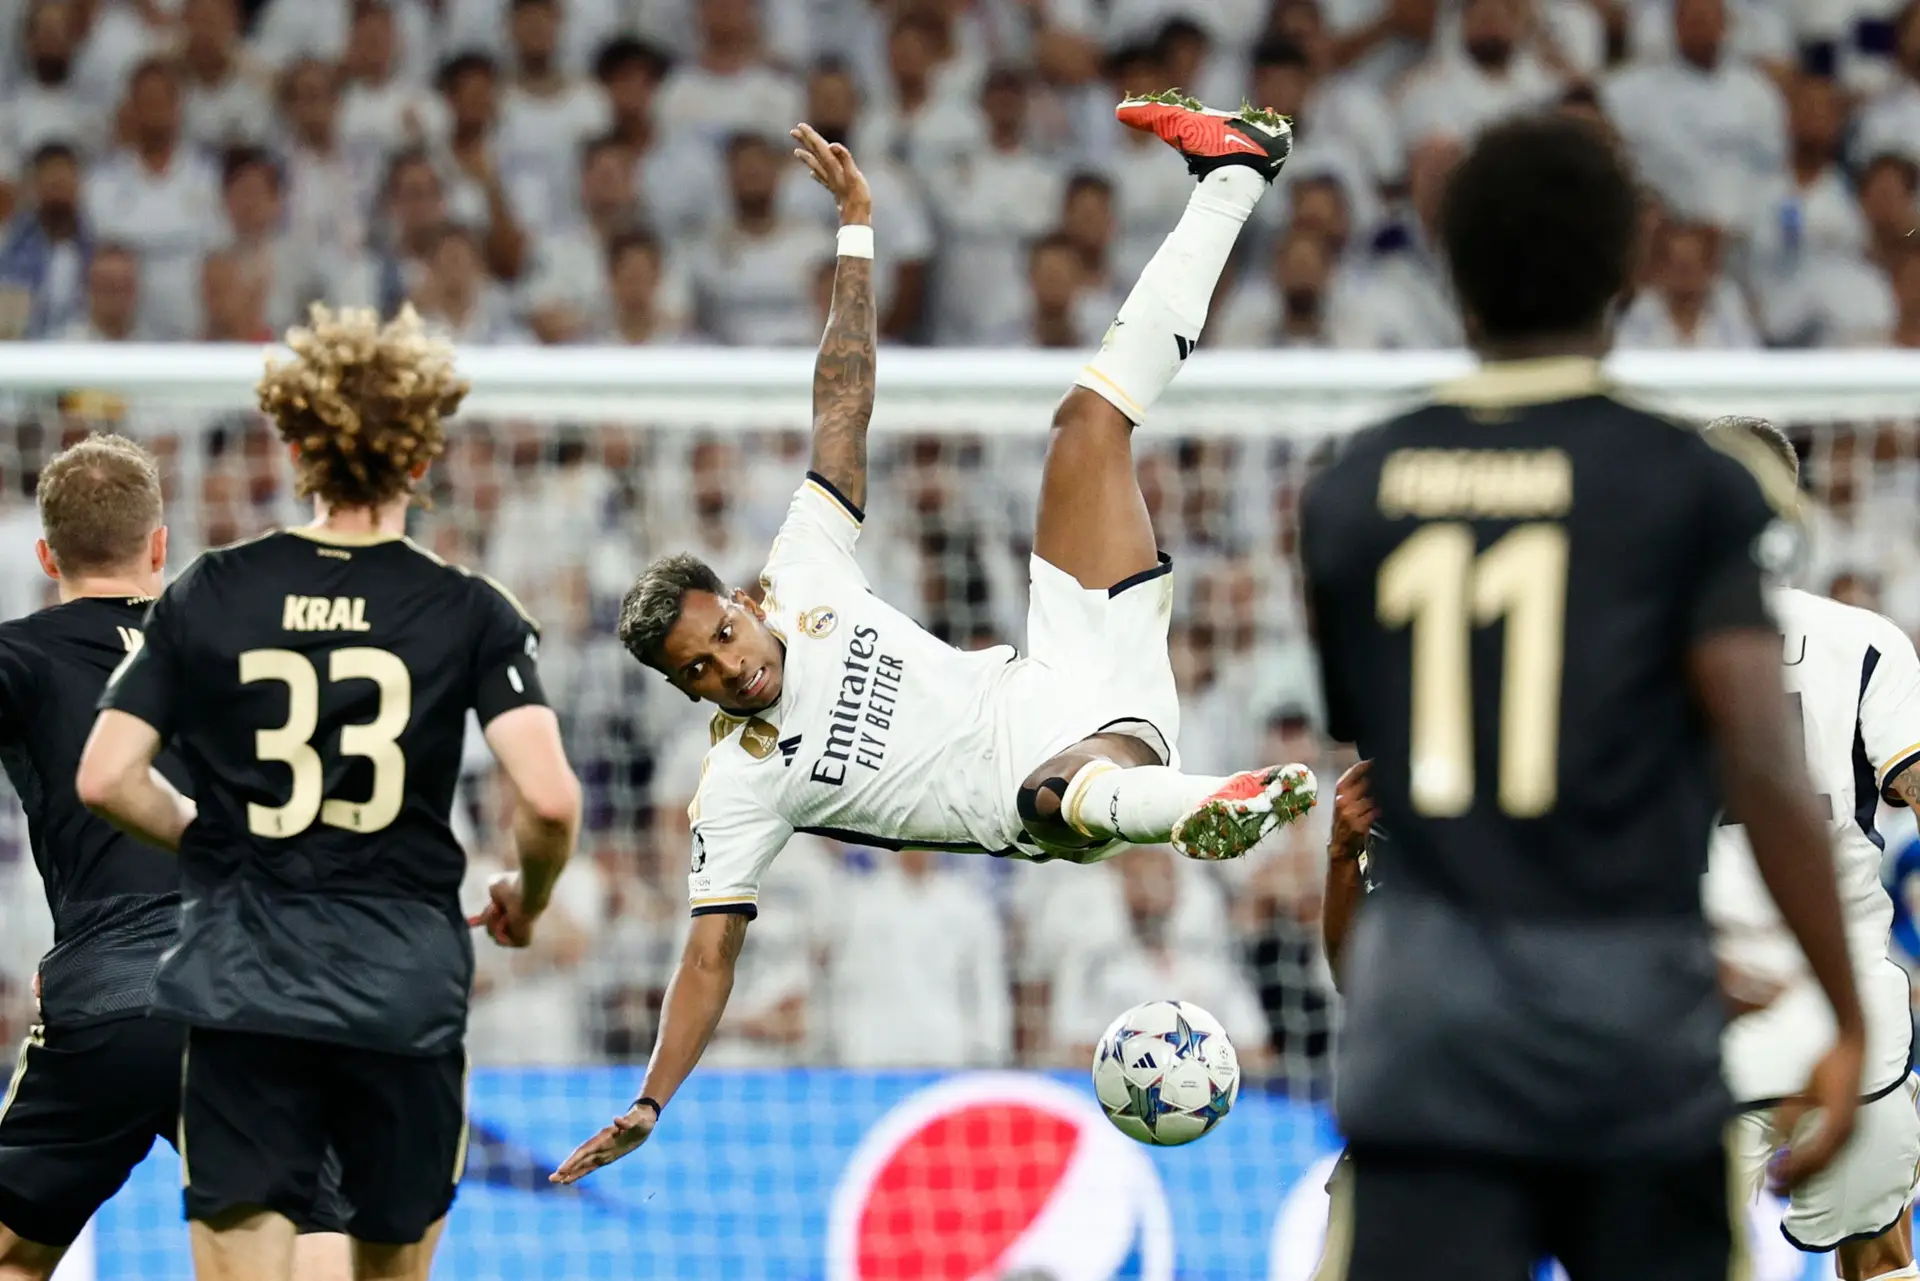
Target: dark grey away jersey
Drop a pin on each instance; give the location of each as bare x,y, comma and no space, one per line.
317,690
1505,589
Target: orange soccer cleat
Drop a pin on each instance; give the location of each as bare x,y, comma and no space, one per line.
1211,139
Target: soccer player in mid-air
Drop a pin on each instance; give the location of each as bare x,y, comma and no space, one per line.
316,684
1853,683
1539,612
840,715
97,1080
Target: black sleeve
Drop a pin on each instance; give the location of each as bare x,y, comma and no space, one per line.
1322,611
1740,538
144,685
19,684
506,671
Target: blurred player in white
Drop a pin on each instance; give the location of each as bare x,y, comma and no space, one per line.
1854,681
841,716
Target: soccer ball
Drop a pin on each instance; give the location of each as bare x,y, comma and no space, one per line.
1166,1072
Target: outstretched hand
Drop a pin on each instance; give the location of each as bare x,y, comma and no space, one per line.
832,167
626,1133
505,917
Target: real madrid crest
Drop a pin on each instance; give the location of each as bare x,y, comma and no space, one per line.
819,622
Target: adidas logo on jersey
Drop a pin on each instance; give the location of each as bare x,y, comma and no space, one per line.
789,748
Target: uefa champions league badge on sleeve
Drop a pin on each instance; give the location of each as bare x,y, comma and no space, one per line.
1901,874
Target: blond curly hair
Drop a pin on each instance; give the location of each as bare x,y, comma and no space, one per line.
366,403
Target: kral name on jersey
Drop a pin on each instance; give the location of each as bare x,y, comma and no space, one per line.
861,717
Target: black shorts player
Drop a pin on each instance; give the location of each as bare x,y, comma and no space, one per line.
97,1080
317,688
1534,604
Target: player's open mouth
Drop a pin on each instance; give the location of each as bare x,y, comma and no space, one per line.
754,683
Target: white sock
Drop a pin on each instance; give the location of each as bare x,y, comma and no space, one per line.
1138,805
1898,1274
1161,319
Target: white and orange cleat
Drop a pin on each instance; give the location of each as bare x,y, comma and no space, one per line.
1245,808
1211,139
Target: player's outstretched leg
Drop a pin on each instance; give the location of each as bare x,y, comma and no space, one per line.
1093,523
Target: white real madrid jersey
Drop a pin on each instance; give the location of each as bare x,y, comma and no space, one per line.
884,735
1853,683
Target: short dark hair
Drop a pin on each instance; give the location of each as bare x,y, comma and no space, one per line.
652,605
1087,181
464,64
237,160
632,240
1908,172
1279,51
1759,430
47,152
1052,240
1540,223
625,52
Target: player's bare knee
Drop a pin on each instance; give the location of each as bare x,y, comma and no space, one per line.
1082,414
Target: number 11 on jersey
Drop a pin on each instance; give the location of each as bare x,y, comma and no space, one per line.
1435,584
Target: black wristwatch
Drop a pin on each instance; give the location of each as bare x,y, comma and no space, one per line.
644,1101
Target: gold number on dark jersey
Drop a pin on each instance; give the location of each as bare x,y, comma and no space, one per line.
1435,584
291,744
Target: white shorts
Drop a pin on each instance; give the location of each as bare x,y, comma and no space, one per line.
1096,661
1866,1190
1111,646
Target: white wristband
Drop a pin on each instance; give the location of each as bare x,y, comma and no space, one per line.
856,241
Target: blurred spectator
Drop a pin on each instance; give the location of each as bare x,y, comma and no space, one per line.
1890,121
904,235
1340,128
1144,966
44,106
1192,58
546,114
1887,188
1498,76
1906,294
43,258
530,1004
1379,41
473,168
1758,31
160,197
730,85
1147,184
113,299
228,100
413,209
1706,127
233,300
382,109
1057,311
1290,308
1404,302
287,29
286,269
677,181
1087,221
916,975
636,315
1690,303
995,199
1808,238
112,38
920,126
456,298
753,272
567,293
329,187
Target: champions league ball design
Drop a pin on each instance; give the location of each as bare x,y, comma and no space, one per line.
1166,1073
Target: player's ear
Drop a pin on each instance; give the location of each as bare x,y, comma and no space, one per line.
419,472
48,566
157,549
748,603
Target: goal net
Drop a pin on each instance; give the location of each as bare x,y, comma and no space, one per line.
899,1091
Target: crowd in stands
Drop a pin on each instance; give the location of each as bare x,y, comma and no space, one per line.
615,171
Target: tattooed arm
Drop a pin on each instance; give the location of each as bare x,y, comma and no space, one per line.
1906,785
844,373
